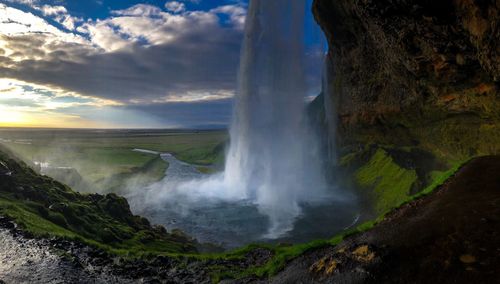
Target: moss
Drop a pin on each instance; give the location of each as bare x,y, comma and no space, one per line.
347,159
460,137
284,254
45,207
438,178
281,256
133,236
390,182
457,124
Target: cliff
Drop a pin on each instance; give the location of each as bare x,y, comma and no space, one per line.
448,236
412,79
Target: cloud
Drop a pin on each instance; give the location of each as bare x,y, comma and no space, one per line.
45,97
192,1
27,104
236,13
48,10
25,2
175,6
16,22
211,114
60,15
192,65
140,54
139,10
173,66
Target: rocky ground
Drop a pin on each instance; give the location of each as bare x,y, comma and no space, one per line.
450,236
24,259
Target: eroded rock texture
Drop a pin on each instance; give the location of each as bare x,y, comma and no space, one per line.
415,73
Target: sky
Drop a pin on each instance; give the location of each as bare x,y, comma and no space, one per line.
126,63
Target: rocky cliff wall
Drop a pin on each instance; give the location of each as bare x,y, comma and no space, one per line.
413,86
415,73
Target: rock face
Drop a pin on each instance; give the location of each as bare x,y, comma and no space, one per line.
414,73
449,236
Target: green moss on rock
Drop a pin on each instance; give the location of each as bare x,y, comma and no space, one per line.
45,207
389,182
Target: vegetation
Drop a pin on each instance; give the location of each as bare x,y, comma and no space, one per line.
283,254
103,161
389,175
45,207
390,182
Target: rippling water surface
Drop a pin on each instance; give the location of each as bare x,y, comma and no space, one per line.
231,224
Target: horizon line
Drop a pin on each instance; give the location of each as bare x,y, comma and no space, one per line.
111,128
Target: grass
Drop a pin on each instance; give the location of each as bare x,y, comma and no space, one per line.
102,224
105,160
45,207
118,237
284,254
106,222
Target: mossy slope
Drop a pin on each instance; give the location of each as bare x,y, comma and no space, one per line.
390,182
45,207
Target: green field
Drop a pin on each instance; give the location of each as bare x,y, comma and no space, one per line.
103,161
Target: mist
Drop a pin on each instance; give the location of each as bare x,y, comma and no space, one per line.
274,159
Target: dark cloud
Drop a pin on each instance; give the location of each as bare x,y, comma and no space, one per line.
201,61
211,114
199,115
142,57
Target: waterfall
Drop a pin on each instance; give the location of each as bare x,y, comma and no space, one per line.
272,159
273,163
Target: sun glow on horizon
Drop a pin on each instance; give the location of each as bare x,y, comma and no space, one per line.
8,117
24,104
19,118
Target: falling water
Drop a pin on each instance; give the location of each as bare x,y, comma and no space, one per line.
271,159
273,165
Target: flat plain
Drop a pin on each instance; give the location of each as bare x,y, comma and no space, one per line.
104,160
